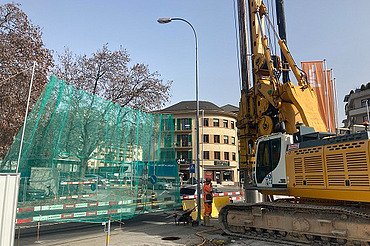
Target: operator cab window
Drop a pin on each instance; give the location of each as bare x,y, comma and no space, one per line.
268,157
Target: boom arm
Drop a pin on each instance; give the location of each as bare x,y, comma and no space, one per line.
271,106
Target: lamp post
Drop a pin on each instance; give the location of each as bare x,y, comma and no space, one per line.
165,21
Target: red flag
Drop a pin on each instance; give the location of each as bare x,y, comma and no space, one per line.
330,101
320,81
315,76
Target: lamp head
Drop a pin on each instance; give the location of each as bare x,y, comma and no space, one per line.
164,20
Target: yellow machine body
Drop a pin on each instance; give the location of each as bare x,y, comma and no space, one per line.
338,171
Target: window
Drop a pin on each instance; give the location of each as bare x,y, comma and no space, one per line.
205,122
206,155
226,139
217,155
184,124
178,124
275,146
168,124
183,157
183,140
216,138
205,138
216,122
233,140
226,123
226,156
232,124
234,156
263,161
227,175
167,141
268,156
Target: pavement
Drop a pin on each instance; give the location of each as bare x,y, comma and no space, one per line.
143,230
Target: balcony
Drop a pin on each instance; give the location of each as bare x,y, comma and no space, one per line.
183,145
183,129
357,111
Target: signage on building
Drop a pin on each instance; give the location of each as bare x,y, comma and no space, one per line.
221,163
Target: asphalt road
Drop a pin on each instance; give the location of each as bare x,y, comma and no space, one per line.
146,229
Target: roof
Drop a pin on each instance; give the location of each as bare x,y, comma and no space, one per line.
203,105
191,105
230,108
363,87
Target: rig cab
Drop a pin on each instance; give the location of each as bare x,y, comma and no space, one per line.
270,168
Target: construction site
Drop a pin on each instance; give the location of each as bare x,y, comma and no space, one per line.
84,169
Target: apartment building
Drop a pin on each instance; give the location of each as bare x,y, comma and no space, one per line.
357,106
218,140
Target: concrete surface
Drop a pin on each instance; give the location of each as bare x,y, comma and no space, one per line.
144,230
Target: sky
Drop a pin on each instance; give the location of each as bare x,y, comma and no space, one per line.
335,30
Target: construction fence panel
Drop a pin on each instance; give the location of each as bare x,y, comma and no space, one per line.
86,159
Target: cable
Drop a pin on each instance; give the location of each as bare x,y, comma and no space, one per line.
273,11
203,238
268,30
237,46
15,75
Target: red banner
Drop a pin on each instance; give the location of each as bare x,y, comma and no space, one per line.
330,101
321,82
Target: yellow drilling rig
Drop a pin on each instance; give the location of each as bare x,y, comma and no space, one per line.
285,149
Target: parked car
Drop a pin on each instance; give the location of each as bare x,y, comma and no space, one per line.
193,181
190,190
35,194
187,191
32,194
96,178
161,186
216,190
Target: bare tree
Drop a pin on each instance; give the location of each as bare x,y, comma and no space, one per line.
20,46
107,74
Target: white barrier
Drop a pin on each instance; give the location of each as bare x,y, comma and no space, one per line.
9,186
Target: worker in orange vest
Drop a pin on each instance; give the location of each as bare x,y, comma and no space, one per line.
207,200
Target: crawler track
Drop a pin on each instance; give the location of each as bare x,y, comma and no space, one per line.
298,223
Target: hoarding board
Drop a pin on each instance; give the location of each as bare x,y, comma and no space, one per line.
9,186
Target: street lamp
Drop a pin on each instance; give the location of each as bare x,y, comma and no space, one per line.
165,21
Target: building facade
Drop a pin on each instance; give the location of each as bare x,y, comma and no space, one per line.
357,106
218,140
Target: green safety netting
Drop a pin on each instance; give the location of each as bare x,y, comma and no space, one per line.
87,159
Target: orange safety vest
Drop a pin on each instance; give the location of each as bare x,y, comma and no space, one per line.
208,193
